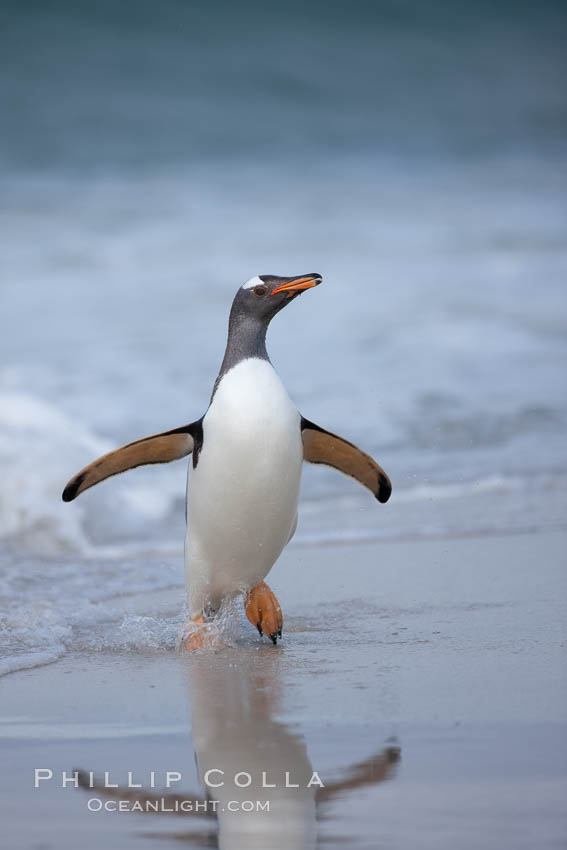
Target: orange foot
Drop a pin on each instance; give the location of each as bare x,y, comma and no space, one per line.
195,634
263,610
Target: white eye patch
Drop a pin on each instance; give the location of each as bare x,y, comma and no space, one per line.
254,281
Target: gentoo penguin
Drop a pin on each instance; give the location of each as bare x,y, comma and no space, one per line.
243,483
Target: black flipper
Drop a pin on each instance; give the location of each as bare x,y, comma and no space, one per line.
320,446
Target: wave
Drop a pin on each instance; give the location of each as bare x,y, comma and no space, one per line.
40,448
27,661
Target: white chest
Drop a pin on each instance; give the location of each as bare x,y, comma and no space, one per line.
251,415
243,493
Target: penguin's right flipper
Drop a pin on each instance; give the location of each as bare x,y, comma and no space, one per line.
159,448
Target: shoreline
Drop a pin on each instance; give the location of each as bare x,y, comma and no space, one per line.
167,602
449,653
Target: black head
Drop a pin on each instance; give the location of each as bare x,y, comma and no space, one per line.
254,306
265,295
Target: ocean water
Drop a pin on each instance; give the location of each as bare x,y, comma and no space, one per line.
155,157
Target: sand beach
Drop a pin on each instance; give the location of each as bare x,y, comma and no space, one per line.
429,701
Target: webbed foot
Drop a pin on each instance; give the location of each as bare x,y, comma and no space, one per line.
263,611
196,635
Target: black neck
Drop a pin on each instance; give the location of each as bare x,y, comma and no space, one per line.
246,338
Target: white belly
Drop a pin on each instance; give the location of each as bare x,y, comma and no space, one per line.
242,496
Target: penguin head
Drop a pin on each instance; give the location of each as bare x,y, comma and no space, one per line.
264,295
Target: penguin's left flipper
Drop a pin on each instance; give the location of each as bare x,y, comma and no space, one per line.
159,448
320,446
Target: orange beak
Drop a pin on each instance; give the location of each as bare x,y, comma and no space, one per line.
298,284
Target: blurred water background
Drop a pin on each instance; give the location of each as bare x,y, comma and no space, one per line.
153,156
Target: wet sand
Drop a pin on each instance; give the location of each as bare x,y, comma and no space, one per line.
424,683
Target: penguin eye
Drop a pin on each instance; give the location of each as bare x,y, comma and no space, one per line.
260,290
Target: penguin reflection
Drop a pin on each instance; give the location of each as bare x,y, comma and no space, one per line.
233,695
